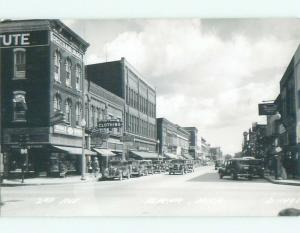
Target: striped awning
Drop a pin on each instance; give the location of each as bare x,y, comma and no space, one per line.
171,156
187,156
144,155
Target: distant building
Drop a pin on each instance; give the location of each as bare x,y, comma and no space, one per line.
204,149
216,153
173,139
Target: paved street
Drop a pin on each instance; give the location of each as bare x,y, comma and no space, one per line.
201,193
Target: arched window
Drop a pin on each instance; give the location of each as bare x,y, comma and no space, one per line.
78,77
68,110
19,63
57,103
78,112
68,72
57,60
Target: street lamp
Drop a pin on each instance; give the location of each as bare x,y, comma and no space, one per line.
158,142
83,124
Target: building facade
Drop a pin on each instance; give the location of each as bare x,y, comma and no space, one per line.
193,142
173,140
122,79
42,79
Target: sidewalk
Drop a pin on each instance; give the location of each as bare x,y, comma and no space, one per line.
295,182
48,181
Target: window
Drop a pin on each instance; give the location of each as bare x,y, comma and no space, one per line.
57,103
78,77
93,116
68,110
57,60
119,129
110,117
78,112
19,63
68,72
19,106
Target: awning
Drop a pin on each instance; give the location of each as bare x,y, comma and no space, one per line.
74,150
104,152
187,156
144,155
171,156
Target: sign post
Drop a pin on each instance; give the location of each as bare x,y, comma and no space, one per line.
267,109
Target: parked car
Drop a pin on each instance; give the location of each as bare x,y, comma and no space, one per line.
147,167
137,169
218,164
257,167
158,166
236,168
190,165
116,169
177,166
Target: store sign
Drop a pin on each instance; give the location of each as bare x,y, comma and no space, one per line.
23,39
267,109
109,124
67,130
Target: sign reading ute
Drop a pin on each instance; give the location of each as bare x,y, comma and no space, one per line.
23,39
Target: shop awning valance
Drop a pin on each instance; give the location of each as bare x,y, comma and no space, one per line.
104,152
74,150
171,156
144,155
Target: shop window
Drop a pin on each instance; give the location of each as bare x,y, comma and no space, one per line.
78,77
19,106
57,103
68,110
19,63
57,61
68,72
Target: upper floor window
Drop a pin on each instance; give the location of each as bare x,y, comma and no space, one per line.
78,77
78,112
19,106
57,103
57,61
68,72
19,63
68,110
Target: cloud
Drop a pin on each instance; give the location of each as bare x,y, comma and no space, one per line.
208,74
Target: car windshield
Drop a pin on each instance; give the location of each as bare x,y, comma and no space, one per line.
255,162
243,162
115,163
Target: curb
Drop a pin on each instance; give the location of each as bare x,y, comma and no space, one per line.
281,182
39,184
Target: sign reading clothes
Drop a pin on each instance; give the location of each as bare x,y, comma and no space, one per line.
24,39
109,124
267,109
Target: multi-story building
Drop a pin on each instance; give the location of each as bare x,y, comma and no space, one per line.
122,79
193,141
42,63
102,105
173,139
204,149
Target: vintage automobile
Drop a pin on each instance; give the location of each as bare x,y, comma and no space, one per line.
218,164
116,169
147,167
236,168
178,166
190,165
137,168
158,166
257,167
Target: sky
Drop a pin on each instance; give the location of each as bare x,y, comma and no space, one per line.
209,73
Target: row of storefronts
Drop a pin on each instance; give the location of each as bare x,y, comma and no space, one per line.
53,105
278,141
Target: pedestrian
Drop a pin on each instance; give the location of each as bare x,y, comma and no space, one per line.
95,166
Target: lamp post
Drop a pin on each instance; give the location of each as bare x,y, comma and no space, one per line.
83,124
158,142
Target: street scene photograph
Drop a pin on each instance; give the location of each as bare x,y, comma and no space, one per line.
149,117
